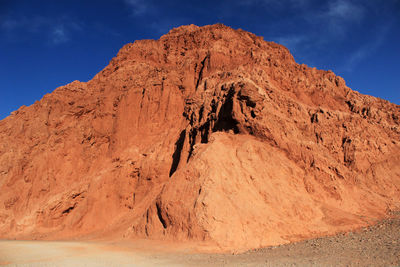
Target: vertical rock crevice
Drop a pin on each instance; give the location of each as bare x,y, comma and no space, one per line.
202,65
159,215
176,156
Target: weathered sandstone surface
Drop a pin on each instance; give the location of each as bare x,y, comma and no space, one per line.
207,134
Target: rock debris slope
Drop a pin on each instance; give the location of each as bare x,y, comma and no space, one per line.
207,134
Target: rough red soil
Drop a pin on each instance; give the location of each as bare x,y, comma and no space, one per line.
208,134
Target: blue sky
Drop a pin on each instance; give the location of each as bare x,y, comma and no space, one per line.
46,44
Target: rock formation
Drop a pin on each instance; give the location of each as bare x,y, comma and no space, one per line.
208,134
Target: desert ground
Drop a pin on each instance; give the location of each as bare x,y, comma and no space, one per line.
378,245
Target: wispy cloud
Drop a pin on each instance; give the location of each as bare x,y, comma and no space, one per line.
138,7
29,24
9,24
366,50
62,31
339,15
346,10
300,45
58,30
332,23
290,41
59,34
164,26
274,3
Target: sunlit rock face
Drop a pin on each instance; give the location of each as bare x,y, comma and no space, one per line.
210,135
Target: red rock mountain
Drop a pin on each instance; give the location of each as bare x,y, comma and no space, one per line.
208,134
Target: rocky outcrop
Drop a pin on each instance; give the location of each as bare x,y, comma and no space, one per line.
208,134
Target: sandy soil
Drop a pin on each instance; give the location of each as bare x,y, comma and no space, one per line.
375,246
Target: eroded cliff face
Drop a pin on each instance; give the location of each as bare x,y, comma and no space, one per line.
207,134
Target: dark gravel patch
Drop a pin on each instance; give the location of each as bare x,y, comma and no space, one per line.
378,245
